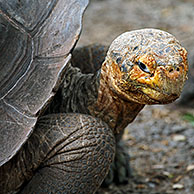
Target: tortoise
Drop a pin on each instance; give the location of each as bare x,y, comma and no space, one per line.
62,119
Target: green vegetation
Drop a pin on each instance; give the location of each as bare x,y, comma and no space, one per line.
189,117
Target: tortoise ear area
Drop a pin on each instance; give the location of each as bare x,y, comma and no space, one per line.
119,60
126,66
114,55
135,48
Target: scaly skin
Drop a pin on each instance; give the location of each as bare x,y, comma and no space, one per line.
67,153
141,67
126,87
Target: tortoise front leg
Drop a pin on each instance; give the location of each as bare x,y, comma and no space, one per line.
76,150
120,170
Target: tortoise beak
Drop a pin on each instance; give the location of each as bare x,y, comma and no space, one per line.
167,83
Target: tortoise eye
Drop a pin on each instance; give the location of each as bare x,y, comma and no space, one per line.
143,67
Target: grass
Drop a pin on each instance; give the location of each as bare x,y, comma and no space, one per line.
189,117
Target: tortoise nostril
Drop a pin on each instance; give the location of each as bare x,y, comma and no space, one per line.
171,70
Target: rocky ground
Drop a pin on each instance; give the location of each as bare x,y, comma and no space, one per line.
161,146
161,140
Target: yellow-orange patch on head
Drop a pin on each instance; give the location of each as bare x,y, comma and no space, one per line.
136,73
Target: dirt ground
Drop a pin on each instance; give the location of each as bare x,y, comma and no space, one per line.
161,140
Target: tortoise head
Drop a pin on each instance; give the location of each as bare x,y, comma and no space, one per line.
147,66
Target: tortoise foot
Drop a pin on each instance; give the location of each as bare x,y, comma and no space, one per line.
120,171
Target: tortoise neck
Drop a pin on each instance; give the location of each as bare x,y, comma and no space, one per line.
91,94
110,107
77,91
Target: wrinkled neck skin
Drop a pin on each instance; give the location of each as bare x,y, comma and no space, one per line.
91,94
111,107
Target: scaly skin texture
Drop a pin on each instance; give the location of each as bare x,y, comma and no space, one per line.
146,66
67,153
141,67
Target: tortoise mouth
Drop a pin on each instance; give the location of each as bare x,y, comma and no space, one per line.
158,97
142,94
147,95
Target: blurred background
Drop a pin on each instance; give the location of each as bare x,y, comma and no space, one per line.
161,140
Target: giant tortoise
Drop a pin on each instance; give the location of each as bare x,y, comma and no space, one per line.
59,120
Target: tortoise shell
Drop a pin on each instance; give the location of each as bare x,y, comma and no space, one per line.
36,38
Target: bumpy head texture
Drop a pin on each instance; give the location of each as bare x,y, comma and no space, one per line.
148,66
